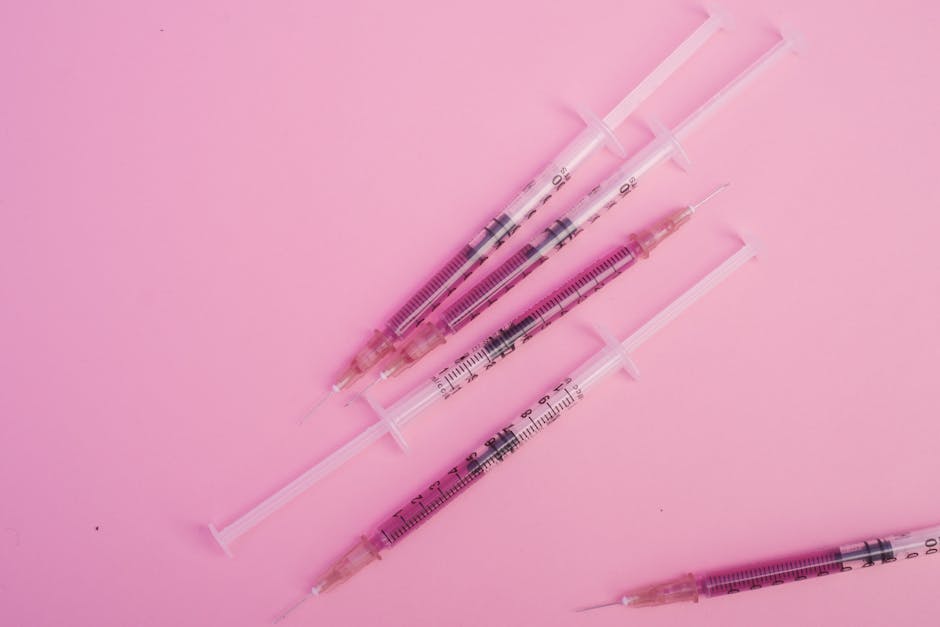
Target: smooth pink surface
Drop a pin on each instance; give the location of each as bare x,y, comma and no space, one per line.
205,207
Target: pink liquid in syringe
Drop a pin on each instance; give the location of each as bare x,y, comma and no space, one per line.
776,572
536,319
793,568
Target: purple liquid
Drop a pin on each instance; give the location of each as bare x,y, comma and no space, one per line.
795,568
798,567
534,320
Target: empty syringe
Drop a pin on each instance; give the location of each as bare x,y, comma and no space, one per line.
471,365
536,193
507,440
602,198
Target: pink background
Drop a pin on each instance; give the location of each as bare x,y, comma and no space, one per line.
204,207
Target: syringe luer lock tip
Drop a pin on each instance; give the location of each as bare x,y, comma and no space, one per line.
378,346
425,338
358,557
679,590
648,239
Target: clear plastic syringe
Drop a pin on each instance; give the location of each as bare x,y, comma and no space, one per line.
798,567
430,335
523,428
536,193
471,365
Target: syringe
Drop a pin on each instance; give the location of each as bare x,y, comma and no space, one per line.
561,302
536,193
549,407
470,366
798,567
430,335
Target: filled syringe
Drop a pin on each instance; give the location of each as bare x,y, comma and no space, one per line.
536,193
602,198
472,364
786,569
508,439
562,301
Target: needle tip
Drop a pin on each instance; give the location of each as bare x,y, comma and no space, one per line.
711,195
293,607
317,406
597,607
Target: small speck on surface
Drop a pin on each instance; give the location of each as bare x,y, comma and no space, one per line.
10,535
96,526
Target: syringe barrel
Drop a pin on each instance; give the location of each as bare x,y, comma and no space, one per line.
472,467
615,187
771,573
515,269
838,559
523,327
536,193
469,469
912,544
597,202
561,301
498,282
